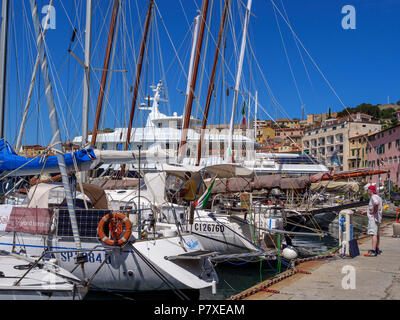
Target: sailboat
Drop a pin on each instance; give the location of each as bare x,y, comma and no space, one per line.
129,263
25,278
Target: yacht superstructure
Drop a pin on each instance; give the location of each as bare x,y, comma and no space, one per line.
164,132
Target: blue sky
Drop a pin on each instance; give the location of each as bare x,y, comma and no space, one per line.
362,65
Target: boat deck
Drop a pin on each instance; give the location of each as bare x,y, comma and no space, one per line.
376,278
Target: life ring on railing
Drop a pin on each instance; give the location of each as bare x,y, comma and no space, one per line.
117,222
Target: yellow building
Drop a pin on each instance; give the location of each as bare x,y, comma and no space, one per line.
265,134
357,153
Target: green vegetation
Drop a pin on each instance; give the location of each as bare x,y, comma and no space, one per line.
372,110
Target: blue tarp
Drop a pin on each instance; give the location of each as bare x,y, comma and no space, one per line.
9,160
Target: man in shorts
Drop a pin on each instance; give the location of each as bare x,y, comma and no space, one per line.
374,214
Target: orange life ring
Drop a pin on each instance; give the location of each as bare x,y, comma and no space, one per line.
116,223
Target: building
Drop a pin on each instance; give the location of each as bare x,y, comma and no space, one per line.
290,135
288,123
31,151
265,134
358,152
314,119
383,152
333,137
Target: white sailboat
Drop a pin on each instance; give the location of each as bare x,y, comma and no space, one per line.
24,278
171,262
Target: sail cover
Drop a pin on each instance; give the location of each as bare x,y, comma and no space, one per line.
10,161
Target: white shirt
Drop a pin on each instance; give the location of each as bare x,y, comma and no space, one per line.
375,199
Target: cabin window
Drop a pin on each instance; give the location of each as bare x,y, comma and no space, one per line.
159,125
104,146
119,146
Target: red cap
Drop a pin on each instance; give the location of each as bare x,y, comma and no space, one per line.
372,188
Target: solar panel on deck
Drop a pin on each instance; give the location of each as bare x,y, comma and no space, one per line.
302,159
87,221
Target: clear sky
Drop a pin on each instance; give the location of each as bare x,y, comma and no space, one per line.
361,64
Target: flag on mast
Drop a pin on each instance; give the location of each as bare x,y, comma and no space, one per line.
202,201
244,113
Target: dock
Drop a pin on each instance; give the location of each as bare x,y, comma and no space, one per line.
328,278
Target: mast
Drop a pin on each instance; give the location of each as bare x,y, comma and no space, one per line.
105,72
86,77
3,60
138,73
55,142
237,82
211,85
137,81
30,91
188,111
192,57
255,117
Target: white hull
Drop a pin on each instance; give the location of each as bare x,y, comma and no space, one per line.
20,281
124,269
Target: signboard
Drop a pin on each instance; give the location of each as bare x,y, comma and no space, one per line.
27,220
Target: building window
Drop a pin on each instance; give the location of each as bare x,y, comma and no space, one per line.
389,145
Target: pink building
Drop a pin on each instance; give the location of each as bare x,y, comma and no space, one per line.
383,151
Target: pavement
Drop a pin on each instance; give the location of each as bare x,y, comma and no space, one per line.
359,278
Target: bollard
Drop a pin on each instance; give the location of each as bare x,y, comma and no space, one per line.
345,230
396,230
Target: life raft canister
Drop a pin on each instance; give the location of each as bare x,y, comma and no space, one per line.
116,223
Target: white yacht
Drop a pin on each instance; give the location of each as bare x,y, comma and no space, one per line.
160,139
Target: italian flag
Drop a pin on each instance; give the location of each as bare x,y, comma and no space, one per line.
244,113
202,201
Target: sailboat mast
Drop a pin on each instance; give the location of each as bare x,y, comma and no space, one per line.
137,81
105,72
3,61
188,110
139,72
86,78
31,87
55,143
192,57
237,82
211,85
255,117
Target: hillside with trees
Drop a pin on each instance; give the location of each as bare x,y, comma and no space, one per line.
372,110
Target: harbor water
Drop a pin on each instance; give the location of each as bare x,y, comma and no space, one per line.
234,276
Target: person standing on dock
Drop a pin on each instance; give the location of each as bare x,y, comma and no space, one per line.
374,214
